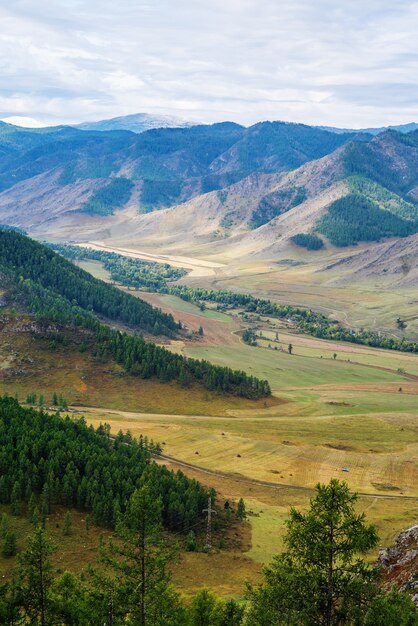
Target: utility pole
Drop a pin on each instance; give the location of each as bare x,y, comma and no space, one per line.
209,511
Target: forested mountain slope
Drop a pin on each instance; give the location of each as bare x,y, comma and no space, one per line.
52,172
50,287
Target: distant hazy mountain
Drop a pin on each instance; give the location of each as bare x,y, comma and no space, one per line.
54,169
137,123
247,190
402,128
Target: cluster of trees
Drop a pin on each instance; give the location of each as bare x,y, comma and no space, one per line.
145,359
310,241
57,400
249,336
356,218
58,289
307,320
276,203
55,289
320,579
128,271
113,196
47,460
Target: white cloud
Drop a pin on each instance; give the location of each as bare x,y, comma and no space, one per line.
325,62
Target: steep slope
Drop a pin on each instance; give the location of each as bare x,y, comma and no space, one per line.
60,295
167,166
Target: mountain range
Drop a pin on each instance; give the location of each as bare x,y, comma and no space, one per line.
211,188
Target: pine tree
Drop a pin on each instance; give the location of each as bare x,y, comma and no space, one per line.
55,399
241,512
140,562
191,544
67,526
320,579
32,505
15,503
35,571
9,547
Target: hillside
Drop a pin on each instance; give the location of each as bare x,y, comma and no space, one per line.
53,172
62,295
365,191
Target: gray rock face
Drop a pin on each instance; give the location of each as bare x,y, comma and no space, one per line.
400,563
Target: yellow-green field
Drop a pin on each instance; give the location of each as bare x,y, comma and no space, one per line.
354,417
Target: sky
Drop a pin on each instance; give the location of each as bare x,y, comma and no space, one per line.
346,63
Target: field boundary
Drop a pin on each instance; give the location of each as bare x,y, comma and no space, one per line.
262,483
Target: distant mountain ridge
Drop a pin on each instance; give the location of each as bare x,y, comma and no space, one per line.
212,188
166,166
136,123
400,128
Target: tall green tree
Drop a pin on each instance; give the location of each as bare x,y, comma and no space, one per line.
35,573
321,578
139,563
205,609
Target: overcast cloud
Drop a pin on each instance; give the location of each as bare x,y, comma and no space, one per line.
342,62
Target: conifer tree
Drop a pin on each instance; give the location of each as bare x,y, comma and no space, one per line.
319,579
35,571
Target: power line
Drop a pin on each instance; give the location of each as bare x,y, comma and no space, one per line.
209,511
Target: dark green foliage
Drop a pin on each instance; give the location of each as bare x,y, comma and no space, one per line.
75,466
114,196
310,241
139,563
58,290
249,336
55,289
320,579
355,218
67,526
191,543
156,194
379,161
392,609
276,203
130,272
9,546
241,511
386,199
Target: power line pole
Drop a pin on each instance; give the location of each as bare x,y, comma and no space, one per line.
209,511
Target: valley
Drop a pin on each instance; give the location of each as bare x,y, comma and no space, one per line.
352,417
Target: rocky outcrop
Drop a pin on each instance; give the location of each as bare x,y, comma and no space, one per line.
400,563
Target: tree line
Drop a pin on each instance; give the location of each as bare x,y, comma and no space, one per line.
46,275
55,290
321,578
48,460
113,196
356,218
126,270
308,321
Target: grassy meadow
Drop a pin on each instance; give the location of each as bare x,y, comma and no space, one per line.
354,417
